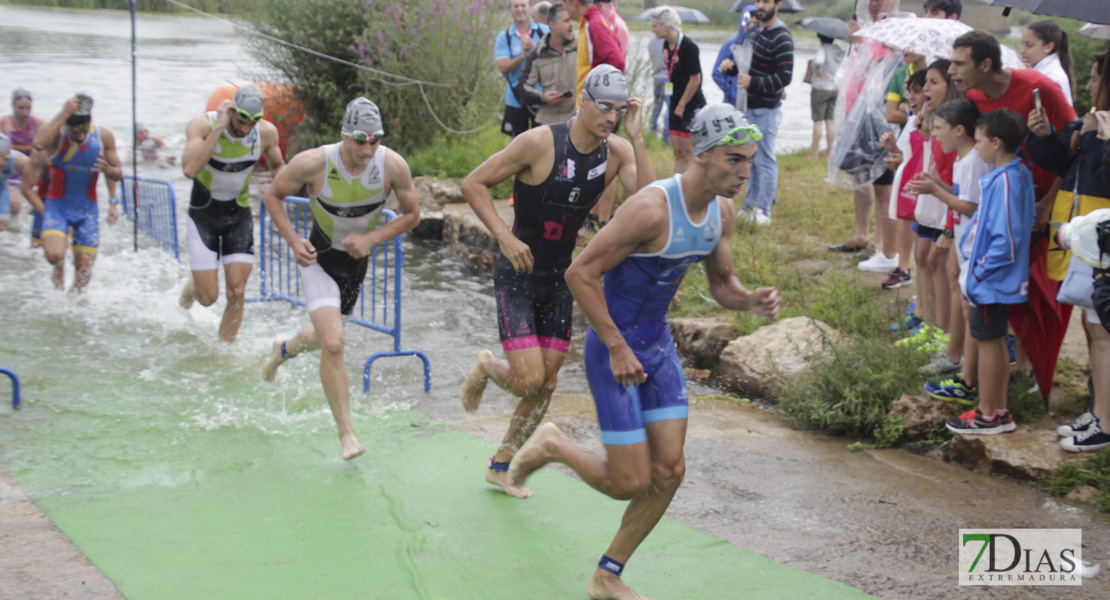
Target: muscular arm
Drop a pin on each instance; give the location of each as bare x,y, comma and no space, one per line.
109,162
517,159
270,148
49,136
639,222
32,171
725,285
200,142
400,181
289,181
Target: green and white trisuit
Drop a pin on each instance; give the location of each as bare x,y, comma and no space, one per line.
220,223
346,204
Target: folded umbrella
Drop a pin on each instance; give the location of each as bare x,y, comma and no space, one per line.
827,26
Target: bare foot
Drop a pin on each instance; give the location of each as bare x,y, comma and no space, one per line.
269,369
351,447
606,586
535,453
505,482
186,299
475,382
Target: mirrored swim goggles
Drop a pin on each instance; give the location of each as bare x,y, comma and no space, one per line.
742,135
366,138
606,108
246,116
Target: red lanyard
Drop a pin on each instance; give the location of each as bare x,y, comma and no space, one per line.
672,59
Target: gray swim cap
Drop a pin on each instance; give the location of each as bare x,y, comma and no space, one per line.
20,94
5,144
712,124
605,83
249,100
139,127
362,119
85,109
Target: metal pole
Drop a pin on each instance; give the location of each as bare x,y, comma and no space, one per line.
134,149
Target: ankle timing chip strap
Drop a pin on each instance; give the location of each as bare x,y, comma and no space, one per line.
498,467
284,354
611,565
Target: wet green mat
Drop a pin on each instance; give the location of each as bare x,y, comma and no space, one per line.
410,519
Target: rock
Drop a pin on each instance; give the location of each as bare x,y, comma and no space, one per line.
466,235
1024,454
430,226
760,364
1083,493
919,414
703,338
440,191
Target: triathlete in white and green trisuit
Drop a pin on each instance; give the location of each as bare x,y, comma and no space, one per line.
348,183
221,149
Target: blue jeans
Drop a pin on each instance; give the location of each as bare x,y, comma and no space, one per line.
765,168
661,105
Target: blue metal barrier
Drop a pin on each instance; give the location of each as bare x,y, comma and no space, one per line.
15,385
157,210
280,280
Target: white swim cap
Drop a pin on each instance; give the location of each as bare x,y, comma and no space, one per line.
714,125
362,120
605,83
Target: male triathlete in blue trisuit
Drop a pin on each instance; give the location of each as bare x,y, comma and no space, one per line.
634,374
560,172
75,152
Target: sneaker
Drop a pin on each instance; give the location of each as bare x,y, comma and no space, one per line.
812,155
910,323
912,306
973,422
746,214
878,263
864,253
953,390
1089,441
1011,347
762,219
926,338
940,366
898,277
1079,427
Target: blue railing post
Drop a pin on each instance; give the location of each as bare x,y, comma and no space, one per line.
15,385
278,259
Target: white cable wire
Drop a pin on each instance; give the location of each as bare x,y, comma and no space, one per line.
403,80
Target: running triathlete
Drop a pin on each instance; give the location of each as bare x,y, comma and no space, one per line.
349,183
12,163
75,152
634,374
20,127
560,172
221,149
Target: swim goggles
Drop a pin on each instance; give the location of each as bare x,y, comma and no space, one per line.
368,138
742,135
606,108
246,116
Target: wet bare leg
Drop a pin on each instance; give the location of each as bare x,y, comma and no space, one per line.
83,264
54,248
236,275
333,375
187,298
303,341
476,380
527,417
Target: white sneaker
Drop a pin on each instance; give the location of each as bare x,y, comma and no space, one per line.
762,219
747,215
878,263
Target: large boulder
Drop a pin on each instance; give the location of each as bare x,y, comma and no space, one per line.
1025,453
919,414
440,191
466,235
703,338
760,364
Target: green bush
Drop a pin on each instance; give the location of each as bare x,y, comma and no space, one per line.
454,156
1095,472
849,390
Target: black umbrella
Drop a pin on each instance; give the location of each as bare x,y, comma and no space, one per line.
788,6
828,27
1095,11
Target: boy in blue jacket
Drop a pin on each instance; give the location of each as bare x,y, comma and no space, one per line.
998,265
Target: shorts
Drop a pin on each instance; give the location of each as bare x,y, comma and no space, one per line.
533,309
680,126
822,103
78,213
887,178
221,230
335,280
516,121
926,232
622,412
5,201
988,321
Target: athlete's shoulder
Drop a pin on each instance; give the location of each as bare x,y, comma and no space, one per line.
306,163
620,146
268,130
199,125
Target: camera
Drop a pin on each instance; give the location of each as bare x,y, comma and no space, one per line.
568,94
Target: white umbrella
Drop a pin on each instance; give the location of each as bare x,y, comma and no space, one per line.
688,15
1096,31
928,37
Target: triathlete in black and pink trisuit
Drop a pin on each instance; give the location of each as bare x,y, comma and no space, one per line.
534,309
